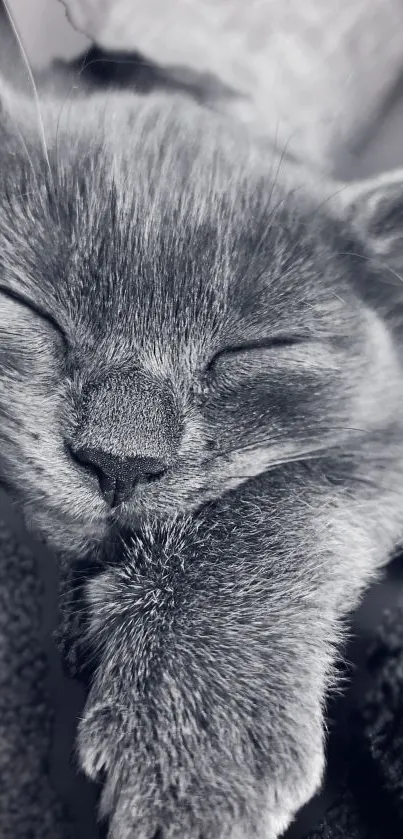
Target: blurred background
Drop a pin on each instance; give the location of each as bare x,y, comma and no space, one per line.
45,30
47,34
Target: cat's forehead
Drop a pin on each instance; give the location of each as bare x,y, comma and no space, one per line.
172,234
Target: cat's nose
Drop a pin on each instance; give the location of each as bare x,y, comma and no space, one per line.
118,476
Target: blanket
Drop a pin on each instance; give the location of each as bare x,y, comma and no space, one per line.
44,796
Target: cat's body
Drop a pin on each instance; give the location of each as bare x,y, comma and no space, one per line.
174,313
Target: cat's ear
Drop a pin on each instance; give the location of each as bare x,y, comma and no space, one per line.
375,209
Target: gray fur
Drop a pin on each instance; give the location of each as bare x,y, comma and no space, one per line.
156,254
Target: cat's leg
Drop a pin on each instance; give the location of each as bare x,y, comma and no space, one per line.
217,645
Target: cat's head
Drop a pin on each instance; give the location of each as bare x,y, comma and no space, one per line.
175,317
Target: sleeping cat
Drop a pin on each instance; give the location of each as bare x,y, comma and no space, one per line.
201,385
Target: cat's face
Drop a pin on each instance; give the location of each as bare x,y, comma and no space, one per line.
172,321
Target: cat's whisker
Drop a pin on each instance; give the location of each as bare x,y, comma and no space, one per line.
32,82
276,463
376,262
273,217
74,86
280,161
83,569
328,446
66,600
29,158
268,209
81,573
90,659
135,62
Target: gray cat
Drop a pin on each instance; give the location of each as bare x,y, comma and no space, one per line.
201,383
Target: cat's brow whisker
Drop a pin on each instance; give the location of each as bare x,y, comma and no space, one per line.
346,428
77,77
29,158
74,86
281,159
307,225
33,86
268,209
271,222
273,217
377,262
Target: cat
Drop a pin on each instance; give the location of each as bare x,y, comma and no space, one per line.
201,386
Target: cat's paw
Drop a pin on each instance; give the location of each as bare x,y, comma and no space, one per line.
134,800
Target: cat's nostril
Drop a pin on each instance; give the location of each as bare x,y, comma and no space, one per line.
118,476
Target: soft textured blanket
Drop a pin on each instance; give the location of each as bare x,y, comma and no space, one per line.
29,805
42,796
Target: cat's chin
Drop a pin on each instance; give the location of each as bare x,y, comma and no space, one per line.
78,538
69,538
90,528
167,503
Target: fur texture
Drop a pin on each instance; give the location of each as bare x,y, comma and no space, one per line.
166,292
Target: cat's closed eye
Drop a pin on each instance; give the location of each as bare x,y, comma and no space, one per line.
253,356
240,350
34,309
